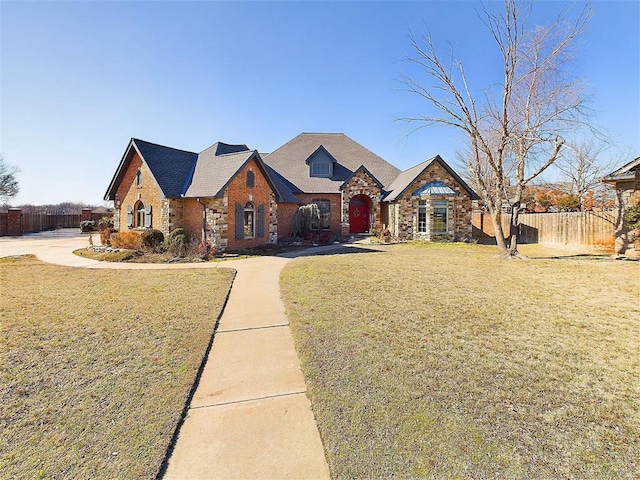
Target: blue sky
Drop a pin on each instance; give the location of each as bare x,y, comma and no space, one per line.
78,79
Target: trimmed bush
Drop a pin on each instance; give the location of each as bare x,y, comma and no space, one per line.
176,242
87,226
128,240
152,240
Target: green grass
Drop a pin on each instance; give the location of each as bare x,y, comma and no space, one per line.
96,365
441,361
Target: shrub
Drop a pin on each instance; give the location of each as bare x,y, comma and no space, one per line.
176,242
205,250
632,217
105,235
152,240
87,226
104,223
128,240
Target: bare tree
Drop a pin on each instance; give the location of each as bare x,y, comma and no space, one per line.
517,131
9,186
582,165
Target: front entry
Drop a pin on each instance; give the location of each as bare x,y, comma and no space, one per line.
359,214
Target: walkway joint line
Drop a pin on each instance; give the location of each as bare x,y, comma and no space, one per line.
268,397
279,325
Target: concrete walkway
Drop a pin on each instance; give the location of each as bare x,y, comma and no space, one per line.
250,417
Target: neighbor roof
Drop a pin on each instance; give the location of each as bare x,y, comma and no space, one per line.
290,162
625,172
406,178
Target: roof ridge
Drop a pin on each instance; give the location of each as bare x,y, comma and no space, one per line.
160,145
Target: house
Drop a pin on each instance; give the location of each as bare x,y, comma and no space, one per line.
224,194
234,198
626,181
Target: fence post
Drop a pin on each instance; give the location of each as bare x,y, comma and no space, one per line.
14,222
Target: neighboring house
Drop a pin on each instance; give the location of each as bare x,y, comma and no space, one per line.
234,198
626,181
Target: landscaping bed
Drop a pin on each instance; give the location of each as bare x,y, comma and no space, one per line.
441,361
96,365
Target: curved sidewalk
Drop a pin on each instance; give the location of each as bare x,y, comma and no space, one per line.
250,417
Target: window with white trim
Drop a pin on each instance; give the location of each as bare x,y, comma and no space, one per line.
249,221
140,213
422,216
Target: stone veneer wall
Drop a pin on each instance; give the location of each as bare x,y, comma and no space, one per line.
362,184
406,208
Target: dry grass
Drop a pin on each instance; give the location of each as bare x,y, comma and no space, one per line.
96,365
441,361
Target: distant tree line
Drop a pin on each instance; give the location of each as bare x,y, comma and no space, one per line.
69,208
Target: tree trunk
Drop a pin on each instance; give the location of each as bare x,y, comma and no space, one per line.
514,230
496,218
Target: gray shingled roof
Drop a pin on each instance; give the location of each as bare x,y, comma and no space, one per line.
289,162
213,172
406,178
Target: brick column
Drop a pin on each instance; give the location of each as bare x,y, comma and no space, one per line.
86,215
14,222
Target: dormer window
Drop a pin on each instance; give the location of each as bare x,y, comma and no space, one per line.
321,169
321,163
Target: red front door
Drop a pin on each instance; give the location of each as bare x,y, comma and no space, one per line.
358,216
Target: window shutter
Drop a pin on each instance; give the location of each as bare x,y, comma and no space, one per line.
239,222
147,216
260,226
129,216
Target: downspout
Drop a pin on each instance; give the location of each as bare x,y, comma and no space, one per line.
204,220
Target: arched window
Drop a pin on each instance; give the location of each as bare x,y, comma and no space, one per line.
250,179
139,178
249,220
140,213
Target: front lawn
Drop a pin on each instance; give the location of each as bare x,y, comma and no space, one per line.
429,361
96,365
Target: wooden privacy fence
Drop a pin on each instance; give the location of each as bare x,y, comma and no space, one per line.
565,228
15,223
38,222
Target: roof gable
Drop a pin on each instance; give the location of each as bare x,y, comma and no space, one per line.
320,155
290,161
171,168
213,174
363,169
406,178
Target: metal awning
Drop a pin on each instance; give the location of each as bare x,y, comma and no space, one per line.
435,189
